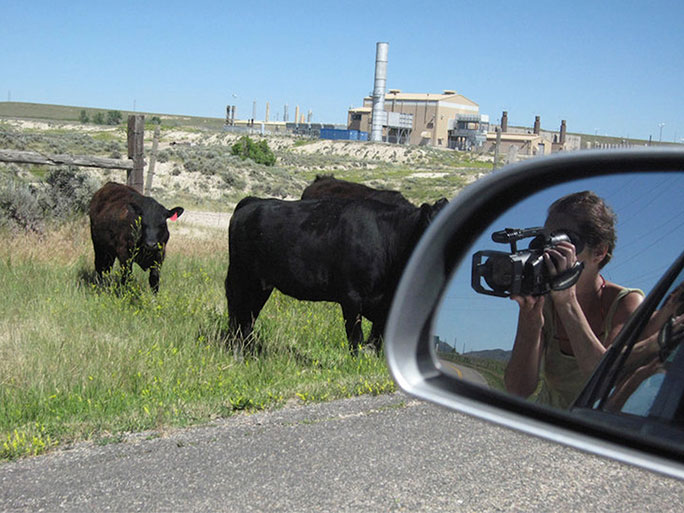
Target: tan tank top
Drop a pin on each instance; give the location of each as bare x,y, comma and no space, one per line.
561,378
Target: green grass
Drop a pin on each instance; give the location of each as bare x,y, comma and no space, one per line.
79,361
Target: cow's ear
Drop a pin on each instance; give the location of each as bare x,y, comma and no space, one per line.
426,214
174,213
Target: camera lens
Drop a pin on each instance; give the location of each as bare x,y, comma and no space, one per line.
498,273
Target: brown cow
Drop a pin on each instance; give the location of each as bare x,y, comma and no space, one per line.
126,225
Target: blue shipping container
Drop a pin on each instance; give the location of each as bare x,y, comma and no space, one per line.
341,134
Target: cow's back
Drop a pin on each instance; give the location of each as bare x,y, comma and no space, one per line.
327,186
111,199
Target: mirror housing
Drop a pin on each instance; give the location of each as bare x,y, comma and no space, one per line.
446,243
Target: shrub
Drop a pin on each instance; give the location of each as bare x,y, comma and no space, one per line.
114,117
246,148
20,207
68,191
84,117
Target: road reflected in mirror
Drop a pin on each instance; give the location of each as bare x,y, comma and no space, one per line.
546,289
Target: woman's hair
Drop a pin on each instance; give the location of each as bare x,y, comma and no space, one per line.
595,219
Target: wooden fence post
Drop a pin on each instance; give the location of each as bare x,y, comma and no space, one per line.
136,151
153,161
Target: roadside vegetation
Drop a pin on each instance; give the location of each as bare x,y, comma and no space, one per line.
80,361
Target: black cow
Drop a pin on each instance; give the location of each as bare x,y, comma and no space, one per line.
126,225
350,252
327,186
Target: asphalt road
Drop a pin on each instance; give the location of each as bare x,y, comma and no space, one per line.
387,453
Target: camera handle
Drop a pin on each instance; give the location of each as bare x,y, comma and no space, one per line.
567,278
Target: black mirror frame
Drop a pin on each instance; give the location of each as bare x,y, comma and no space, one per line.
444,245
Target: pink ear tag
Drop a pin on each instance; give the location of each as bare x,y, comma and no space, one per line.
174,216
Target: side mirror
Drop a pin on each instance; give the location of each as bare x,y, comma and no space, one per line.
449,343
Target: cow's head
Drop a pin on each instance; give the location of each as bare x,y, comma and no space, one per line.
428,212
150,221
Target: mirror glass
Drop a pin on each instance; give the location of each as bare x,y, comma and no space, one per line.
474,332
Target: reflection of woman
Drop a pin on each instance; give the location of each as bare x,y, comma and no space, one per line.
562,338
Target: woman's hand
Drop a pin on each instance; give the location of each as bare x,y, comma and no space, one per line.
531,310
560,259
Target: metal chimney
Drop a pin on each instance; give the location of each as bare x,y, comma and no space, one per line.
268,109
504,121
381,50
563,129
537,125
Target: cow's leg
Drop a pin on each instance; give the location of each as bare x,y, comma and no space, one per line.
126,264
103,262
155,269
154,278
376,334
246,297
238,316
352,325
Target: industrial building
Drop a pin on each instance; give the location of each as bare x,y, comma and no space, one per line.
447,120
528,142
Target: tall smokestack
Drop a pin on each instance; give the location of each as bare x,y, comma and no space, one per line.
563,129
268,109
297,114
504,121
536,125
381,50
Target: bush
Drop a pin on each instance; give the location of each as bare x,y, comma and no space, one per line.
66,192
114,117
20,207
246,148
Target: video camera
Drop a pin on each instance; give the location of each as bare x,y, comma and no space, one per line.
523,272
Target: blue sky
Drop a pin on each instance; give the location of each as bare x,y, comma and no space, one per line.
607,67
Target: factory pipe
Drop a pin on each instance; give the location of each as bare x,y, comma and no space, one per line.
563,130
381,50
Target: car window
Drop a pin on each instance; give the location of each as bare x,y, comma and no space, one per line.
650,373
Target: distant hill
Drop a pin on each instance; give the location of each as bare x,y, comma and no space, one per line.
67,113
46,111
491,354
